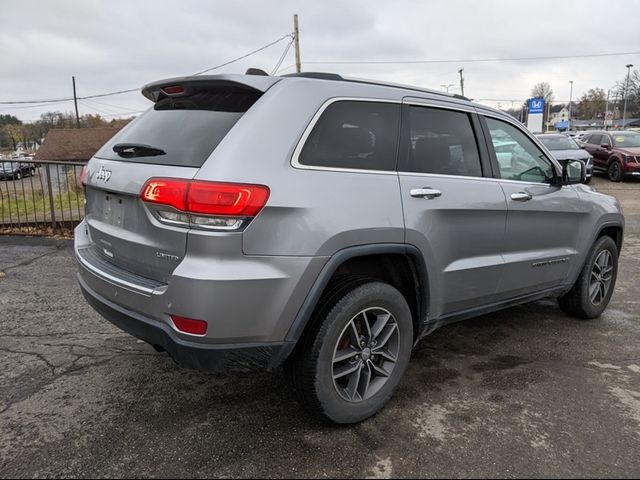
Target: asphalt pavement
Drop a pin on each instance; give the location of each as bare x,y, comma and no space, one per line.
526,392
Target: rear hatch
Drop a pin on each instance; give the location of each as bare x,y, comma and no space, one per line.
190,117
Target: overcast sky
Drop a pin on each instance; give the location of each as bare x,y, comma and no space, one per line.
122,44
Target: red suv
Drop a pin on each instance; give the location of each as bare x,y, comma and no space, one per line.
616,153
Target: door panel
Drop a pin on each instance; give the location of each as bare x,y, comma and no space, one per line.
454,215
543,217
541,237
461,233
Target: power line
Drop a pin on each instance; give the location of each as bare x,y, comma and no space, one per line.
282,57
469,60
244,56
120,92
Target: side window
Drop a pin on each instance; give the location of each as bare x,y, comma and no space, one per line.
595,140
441,142
353,134
606,140
518,157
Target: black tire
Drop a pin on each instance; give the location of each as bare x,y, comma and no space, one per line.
615,171
588,180
17,176
577,302
33,172
310,369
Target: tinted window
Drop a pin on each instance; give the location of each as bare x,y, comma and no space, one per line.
350,134
595,139
187,128
518,157
441,142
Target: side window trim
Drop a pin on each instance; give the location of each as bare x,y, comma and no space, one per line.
405,135
483,116
295,157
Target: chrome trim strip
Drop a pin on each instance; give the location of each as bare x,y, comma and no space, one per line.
464,177
118,281
295,163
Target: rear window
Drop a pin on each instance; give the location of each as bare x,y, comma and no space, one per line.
354,134
186,128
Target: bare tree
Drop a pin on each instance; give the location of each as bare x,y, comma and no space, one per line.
543,90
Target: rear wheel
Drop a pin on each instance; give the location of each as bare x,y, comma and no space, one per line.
615,171
590,295
350,361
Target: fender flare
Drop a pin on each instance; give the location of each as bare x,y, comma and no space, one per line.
308,306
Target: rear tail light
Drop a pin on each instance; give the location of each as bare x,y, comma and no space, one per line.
189,325
207,205
84,173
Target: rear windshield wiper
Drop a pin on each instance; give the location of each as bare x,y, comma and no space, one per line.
132,150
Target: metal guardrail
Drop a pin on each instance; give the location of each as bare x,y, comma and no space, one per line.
40,197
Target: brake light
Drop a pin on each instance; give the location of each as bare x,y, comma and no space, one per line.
211,205
189,325
84,174
166,192
173,90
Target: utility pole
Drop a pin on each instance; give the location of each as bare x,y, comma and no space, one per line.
626,95
570,101
606,111
296,42
461,81
75,101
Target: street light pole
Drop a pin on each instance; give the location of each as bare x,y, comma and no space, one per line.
606,111
570,102
447,87
626,95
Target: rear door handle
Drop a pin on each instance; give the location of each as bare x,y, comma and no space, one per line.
521,197
426,192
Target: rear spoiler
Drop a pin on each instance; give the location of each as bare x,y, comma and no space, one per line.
181,85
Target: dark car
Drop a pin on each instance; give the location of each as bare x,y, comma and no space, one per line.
615,153
564,148
16,170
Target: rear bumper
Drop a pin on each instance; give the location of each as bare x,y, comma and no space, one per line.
198,356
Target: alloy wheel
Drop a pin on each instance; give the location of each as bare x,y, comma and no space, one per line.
601,277
366,354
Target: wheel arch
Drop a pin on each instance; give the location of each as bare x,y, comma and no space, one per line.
358,259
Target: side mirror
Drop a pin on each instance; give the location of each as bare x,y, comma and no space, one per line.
574,172
606,146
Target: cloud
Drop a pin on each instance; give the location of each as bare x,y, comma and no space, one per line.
122,44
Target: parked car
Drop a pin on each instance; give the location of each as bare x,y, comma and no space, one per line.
615,153
296,221
564,148
16,170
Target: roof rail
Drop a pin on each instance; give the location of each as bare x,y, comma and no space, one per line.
336,77
318,75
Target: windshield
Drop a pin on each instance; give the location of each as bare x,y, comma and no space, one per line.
625,140
559,143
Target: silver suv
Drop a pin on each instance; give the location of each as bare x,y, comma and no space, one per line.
326,225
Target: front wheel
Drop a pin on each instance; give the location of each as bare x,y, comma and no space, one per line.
591,293
351,360
615,171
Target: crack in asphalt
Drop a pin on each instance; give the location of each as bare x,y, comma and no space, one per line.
30,260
